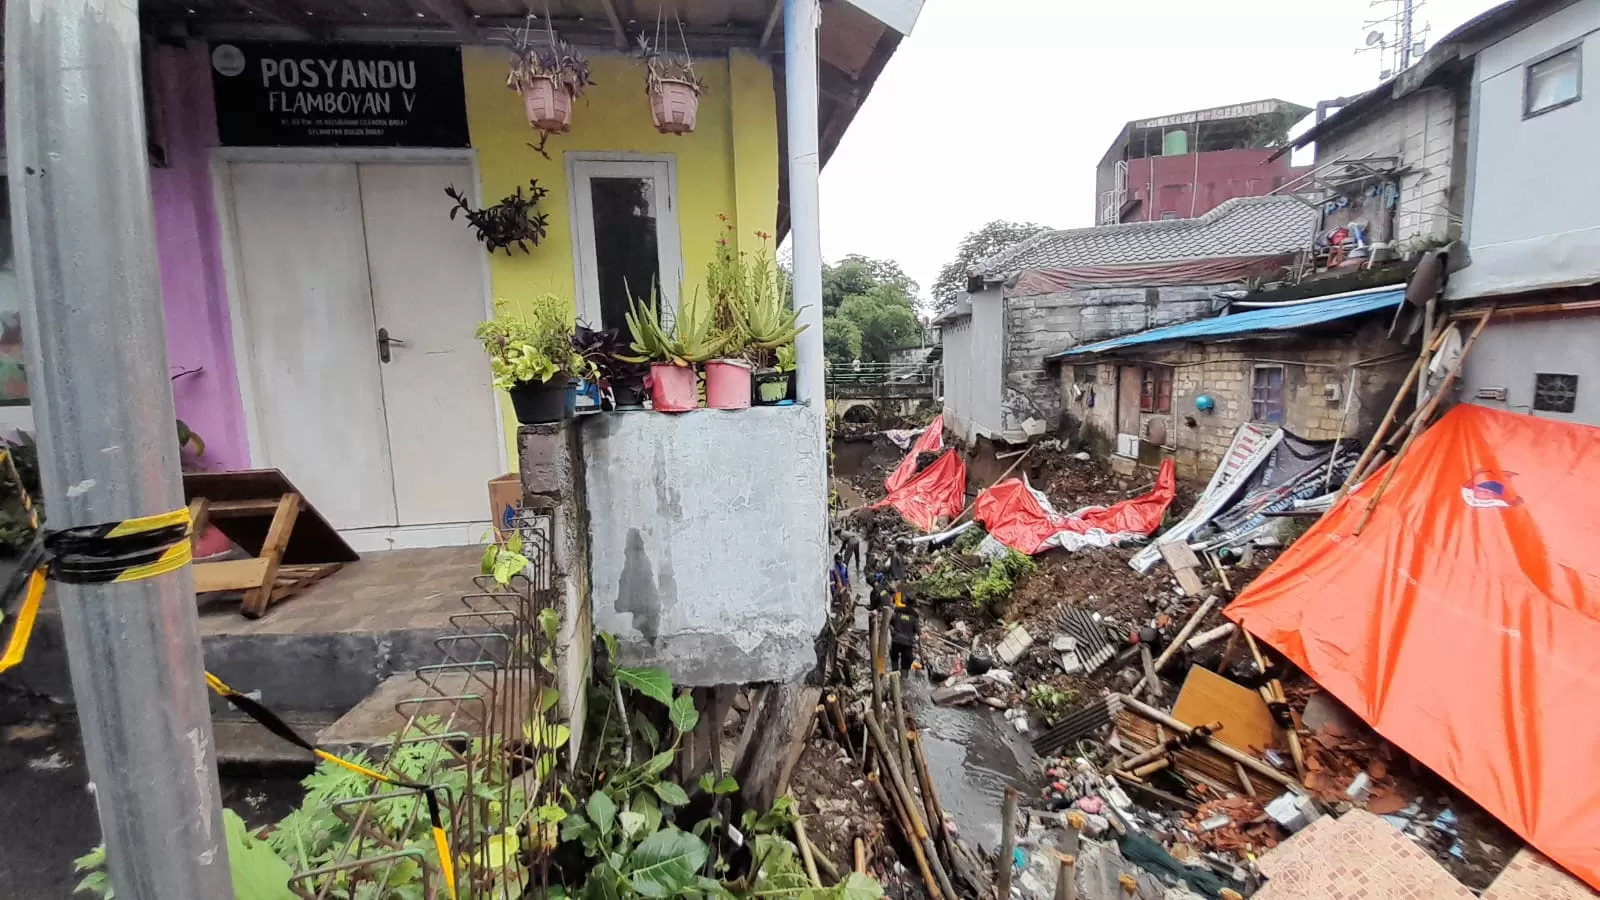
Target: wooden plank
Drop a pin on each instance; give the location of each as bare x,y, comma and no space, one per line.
232,575
292,580
784,715
244,509
199,518
1189,582
313,540
1247,724
256,599
1178,555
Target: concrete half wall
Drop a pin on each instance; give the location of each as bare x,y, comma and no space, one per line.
709,539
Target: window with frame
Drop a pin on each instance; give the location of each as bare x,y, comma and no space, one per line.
1553,82
1554,392
1155,389
1266,395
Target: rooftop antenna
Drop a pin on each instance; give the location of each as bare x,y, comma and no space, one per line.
1395,35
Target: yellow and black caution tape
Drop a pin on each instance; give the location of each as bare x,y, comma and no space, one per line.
113,552
270,721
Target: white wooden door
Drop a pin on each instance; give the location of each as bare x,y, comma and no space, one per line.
308,365
428,293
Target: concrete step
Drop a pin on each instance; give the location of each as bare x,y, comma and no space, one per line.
464,701
243,743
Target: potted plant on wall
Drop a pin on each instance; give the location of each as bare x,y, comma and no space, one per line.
549,74
622,383
672,86
672,352
531,356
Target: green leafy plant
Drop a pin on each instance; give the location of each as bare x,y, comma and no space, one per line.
786,357
661,65
257,872
553,59
515,220
1000,579
1050,702
531,342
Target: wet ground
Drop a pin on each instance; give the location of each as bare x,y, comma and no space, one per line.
47,812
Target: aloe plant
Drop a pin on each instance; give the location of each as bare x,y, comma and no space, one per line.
692,338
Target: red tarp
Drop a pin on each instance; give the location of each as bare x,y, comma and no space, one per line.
1463,622
938,491
931,440
1022,519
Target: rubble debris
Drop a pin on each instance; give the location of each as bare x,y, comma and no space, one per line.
1090,643
1016,640
1086,721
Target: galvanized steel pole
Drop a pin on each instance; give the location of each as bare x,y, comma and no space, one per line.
801,19
102,402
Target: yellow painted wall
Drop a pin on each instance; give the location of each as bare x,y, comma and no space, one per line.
728,166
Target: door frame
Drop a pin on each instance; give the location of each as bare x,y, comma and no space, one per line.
362,539
669,242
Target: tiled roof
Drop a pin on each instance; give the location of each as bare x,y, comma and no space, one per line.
1243,226
1289,316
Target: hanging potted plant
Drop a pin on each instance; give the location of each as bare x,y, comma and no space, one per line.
672,86
531,357
673,351
622,383
549,75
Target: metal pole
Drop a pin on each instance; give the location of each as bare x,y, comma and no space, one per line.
801,19
102,402
1407,10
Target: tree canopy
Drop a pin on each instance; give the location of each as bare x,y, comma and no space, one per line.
868,310
974,248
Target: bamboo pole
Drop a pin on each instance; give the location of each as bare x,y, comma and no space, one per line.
1359,470
1151,680
1421,423
1008,841
1177,642
930,796
1244,759
900,742
875,728
874,621
1244,779
805,851
861,856
892,805
836,715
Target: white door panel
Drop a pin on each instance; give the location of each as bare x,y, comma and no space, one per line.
428,291
305,300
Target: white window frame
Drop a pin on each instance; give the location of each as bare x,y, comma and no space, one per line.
662,170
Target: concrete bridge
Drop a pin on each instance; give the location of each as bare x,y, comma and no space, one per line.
881,386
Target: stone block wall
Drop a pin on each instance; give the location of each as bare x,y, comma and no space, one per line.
1044,324
1224,371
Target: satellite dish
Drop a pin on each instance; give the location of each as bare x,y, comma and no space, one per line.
1374,38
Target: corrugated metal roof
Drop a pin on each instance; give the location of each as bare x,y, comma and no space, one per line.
1241,227
1288,317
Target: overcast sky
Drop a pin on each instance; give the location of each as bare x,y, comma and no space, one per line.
1001,109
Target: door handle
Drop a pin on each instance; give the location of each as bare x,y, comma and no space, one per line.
384,343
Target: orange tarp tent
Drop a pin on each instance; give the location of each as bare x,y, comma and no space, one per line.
1463,623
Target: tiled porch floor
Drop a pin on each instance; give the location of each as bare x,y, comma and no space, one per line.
384,591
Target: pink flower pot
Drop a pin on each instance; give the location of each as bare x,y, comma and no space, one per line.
548,105
674,105
673,388
728,384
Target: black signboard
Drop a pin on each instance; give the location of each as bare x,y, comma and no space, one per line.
338,95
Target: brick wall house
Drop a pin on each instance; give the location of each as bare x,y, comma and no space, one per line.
1300,379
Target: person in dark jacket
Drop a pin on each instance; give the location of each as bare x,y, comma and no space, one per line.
905,626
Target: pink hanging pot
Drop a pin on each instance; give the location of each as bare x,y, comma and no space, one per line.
728,384
674,105
548,105
673,388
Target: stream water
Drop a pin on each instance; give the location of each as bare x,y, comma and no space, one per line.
974,754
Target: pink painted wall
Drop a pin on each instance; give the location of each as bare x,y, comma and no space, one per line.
193,283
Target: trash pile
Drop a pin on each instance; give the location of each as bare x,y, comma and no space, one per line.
1186,748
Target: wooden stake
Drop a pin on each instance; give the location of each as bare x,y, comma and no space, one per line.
1421,423
861,856
874,620
1244,780
1151,680
1008,841
1067,879
837,715
1151,768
